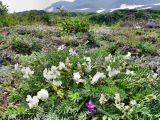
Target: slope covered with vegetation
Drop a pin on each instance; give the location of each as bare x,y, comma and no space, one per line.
79,66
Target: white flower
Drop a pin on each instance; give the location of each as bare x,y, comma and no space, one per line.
88,68
104,117
61,66
113,72
102,99
128,56
117,98
47,74
87,64
16,66
128,72
52,74
133,102
87,59
72,52
32,102
43,94
62,47
109,68
27,72
155,75
77,78
108,58
137,27
97,76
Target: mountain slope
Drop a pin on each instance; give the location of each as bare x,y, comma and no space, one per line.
103,5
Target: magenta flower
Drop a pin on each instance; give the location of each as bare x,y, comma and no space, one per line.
90,106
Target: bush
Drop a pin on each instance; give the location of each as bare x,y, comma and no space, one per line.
146,47
7,20
25,46
3,9
75,25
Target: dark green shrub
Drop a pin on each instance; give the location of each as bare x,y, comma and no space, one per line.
23,46
3,9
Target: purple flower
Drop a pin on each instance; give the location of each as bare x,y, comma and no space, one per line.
135,50
90,106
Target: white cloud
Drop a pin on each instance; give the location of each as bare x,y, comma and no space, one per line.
22,5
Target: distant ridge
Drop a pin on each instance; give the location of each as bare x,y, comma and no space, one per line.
103,5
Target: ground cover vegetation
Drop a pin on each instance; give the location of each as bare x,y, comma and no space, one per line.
79,66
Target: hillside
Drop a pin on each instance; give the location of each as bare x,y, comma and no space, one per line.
80,65
103,5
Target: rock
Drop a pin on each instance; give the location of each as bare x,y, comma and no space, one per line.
153,62
152,24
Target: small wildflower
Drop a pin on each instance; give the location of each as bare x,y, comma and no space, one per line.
117,98
62,47
113,72
104,117
87,59
32,102
133,102
72,52
108,58
102,99
128,72
61,66
43,94
96,77
52,74
155,75
77,78
128,56
109,68
27,72
16,66
90,106
88,64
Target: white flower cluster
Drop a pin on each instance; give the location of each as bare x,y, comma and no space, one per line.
121,106
118,104
97,76
33,101
52,74
112,72
27,72
72,52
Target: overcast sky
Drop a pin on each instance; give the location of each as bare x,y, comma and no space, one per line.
22,5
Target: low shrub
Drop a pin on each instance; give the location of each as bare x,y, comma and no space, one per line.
25,45
75,25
